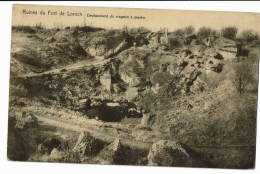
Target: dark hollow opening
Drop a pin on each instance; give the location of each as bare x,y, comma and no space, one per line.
113,112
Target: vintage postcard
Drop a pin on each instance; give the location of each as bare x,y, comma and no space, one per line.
123,86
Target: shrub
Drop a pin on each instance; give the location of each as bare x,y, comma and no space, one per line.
179,32
175,42
205,32
143,30
189,30
111,32
248,36
229,32
23,29
136,30
88,29
242,76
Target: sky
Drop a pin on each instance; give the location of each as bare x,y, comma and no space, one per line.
154,19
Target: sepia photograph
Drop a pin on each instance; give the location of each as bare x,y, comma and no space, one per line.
138,87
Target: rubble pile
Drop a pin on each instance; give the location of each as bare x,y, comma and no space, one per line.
136,65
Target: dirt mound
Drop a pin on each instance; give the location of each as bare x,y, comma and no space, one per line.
61,54
103,44
52,56
68,35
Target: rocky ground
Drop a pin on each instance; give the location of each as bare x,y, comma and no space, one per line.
89,95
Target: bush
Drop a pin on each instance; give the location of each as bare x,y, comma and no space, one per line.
143,30
179,33
249,36
23,29
175,42
205,32
88,29
184,31
189,30
242,76
229,32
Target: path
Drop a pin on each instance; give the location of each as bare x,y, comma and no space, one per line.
71,67
105,136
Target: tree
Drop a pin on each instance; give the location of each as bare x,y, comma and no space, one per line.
241,76
189,30
229,32
205,32
143,30
249,36
179,33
